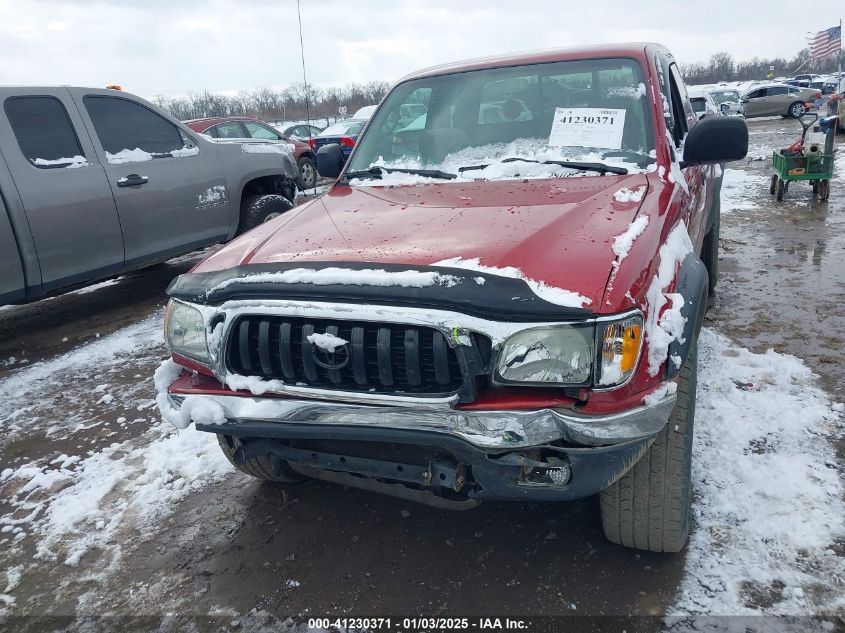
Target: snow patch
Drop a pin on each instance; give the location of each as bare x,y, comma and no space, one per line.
346,277
659,394
741,190
328,342
72,162
628,195
558,296
267,148
661,329
622,243
769,507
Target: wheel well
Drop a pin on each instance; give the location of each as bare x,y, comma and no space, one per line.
267,185
310,155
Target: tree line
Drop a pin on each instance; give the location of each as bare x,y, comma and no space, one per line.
722,67
293,103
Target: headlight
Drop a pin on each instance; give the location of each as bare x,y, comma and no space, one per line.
619,349
549,355
184,331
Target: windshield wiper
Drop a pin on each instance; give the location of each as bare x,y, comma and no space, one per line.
583,166
377,170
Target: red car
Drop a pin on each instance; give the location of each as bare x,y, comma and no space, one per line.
502,304
245,127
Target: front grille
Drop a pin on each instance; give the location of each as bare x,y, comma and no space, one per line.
382,357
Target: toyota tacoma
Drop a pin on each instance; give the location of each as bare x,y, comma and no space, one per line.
498,300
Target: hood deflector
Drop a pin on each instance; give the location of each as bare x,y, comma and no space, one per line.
498,298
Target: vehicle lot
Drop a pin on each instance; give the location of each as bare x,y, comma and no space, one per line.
105,509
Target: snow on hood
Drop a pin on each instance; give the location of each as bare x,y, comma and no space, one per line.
558,296
530,229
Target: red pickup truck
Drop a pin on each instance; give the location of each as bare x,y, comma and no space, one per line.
496,300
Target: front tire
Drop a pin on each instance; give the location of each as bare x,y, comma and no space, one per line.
710,254
797,109
257,210
648,508
258,467
307,173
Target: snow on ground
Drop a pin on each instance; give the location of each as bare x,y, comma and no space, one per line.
769,511
76,382
741,190
768,505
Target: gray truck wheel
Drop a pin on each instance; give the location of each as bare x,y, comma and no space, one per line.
648,508
307,173
256,210
259,467
710,254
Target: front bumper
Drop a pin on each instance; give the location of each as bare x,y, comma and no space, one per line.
480,455
489,430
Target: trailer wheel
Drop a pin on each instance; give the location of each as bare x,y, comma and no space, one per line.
780,189
815,185
773,184
824,190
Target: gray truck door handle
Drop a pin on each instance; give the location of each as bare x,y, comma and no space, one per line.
132,180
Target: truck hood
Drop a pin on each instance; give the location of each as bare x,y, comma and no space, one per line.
558,232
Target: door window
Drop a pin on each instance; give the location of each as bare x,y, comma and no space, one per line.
256,130
125,125
756,94
44,131
776,90
230,129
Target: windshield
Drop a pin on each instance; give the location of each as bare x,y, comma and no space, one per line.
725,96
585,111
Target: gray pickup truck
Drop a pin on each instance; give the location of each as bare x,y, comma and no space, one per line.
95,182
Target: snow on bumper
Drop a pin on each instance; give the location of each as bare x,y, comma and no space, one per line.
488,430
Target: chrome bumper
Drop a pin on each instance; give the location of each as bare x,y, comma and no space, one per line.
488,430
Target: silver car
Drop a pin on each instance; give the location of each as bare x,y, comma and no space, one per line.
776,99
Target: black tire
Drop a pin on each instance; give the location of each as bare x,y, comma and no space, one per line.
710,254
773,184
815,185
648,508
259,467
307,173
780,189
824,190
256,210
797,109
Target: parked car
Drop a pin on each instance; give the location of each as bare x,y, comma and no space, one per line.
343,133
97,182
777,99
301,131
728,100
483,326
239,127
702,103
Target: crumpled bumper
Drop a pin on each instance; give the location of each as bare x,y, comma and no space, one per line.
468,456
490,430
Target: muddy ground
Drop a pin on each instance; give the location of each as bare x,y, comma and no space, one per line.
237,546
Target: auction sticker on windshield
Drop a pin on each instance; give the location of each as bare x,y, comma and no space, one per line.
588,127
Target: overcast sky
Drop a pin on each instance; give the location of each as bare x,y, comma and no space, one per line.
171,47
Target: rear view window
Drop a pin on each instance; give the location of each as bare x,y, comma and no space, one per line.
44,131
125,125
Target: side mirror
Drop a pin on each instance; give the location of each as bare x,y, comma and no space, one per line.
330,160
746,100
716,140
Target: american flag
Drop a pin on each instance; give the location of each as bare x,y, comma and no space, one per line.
826,42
